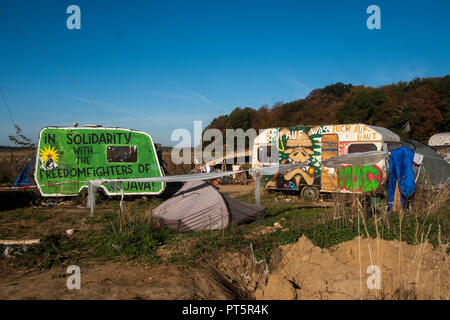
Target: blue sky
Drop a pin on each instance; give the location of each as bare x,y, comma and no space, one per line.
160,65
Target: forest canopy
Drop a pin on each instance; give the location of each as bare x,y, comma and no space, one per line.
423,102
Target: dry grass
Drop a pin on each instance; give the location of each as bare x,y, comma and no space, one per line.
425,205
12,161
428,208
173,169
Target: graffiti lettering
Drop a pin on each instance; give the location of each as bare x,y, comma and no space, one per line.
82,154
359,178
138,186
366,136
341,128
108,171
360,129
321,130
343,148
49,139
144,168
131,186
94,138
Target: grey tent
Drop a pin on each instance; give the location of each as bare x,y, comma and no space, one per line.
199,206
435,169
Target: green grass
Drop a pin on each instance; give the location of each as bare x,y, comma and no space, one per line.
134,236
108,237
52,251
136,241
315,223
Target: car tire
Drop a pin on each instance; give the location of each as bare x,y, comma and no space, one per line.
310,193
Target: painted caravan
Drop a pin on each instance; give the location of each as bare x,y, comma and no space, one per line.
311,145
69,157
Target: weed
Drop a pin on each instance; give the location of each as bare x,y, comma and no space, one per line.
52,251
132,234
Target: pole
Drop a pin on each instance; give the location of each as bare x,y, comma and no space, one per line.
257,187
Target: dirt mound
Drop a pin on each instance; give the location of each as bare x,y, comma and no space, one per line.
297,271
306,271
116,281
239,272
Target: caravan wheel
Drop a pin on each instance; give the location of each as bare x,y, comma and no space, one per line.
310,193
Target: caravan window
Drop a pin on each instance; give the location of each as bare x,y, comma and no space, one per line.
122,153
264,154
361,147
393,145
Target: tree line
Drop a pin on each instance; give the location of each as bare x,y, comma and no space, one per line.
416,109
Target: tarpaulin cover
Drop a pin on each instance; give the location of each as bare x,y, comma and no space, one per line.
23,179
401,171
436,170
356,158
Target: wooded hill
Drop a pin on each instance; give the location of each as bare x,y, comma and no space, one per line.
424,102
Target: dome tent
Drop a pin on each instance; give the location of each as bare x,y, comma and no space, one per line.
435,169
199,206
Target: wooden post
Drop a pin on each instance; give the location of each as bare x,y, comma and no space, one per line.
397,203
257,187
91,198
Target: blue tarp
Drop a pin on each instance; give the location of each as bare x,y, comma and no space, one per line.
24,177
401,171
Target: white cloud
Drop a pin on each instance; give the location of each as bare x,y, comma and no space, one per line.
301,89
100,103
186,95
173,96
194,94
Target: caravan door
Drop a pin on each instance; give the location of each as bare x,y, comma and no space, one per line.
330,149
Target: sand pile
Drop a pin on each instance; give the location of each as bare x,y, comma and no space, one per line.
297,271
306,271
112,280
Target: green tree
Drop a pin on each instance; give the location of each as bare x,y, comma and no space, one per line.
338,89
241,118
362,106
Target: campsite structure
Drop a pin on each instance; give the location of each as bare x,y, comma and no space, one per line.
312,145
199,206
233,162
69,157
435,170
440,142
227,161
